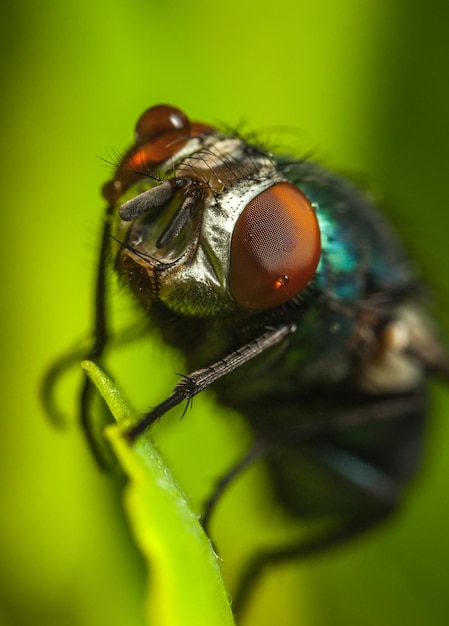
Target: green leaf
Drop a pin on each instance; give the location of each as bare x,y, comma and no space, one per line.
185,586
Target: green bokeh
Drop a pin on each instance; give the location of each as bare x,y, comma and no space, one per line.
363,85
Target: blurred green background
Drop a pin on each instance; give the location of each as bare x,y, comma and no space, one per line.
364,86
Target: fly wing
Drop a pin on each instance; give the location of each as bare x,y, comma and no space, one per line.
408,348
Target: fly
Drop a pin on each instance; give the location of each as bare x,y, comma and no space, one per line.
287,292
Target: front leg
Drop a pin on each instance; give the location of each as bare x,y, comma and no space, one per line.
194,383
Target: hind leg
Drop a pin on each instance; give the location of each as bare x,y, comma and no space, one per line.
385,496
258,450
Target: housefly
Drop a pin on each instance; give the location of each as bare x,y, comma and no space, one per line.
287,292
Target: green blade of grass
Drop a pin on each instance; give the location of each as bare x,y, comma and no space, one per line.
185,587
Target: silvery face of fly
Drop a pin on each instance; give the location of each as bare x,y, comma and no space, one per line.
219,227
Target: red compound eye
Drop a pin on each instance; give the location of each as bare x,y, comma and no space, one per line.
275,248
161,120
160,132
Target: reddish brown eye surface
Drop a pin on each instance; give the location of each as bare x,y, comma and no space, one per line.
161,120
275,248
160,132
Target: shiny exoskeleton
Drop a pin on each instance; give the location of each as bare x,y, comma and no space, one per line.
286,290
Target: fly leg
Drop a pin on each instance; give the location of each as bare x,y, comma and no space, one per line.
383,410
304,548
189,386
366,486
80,352
54,373
257,451
101,336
